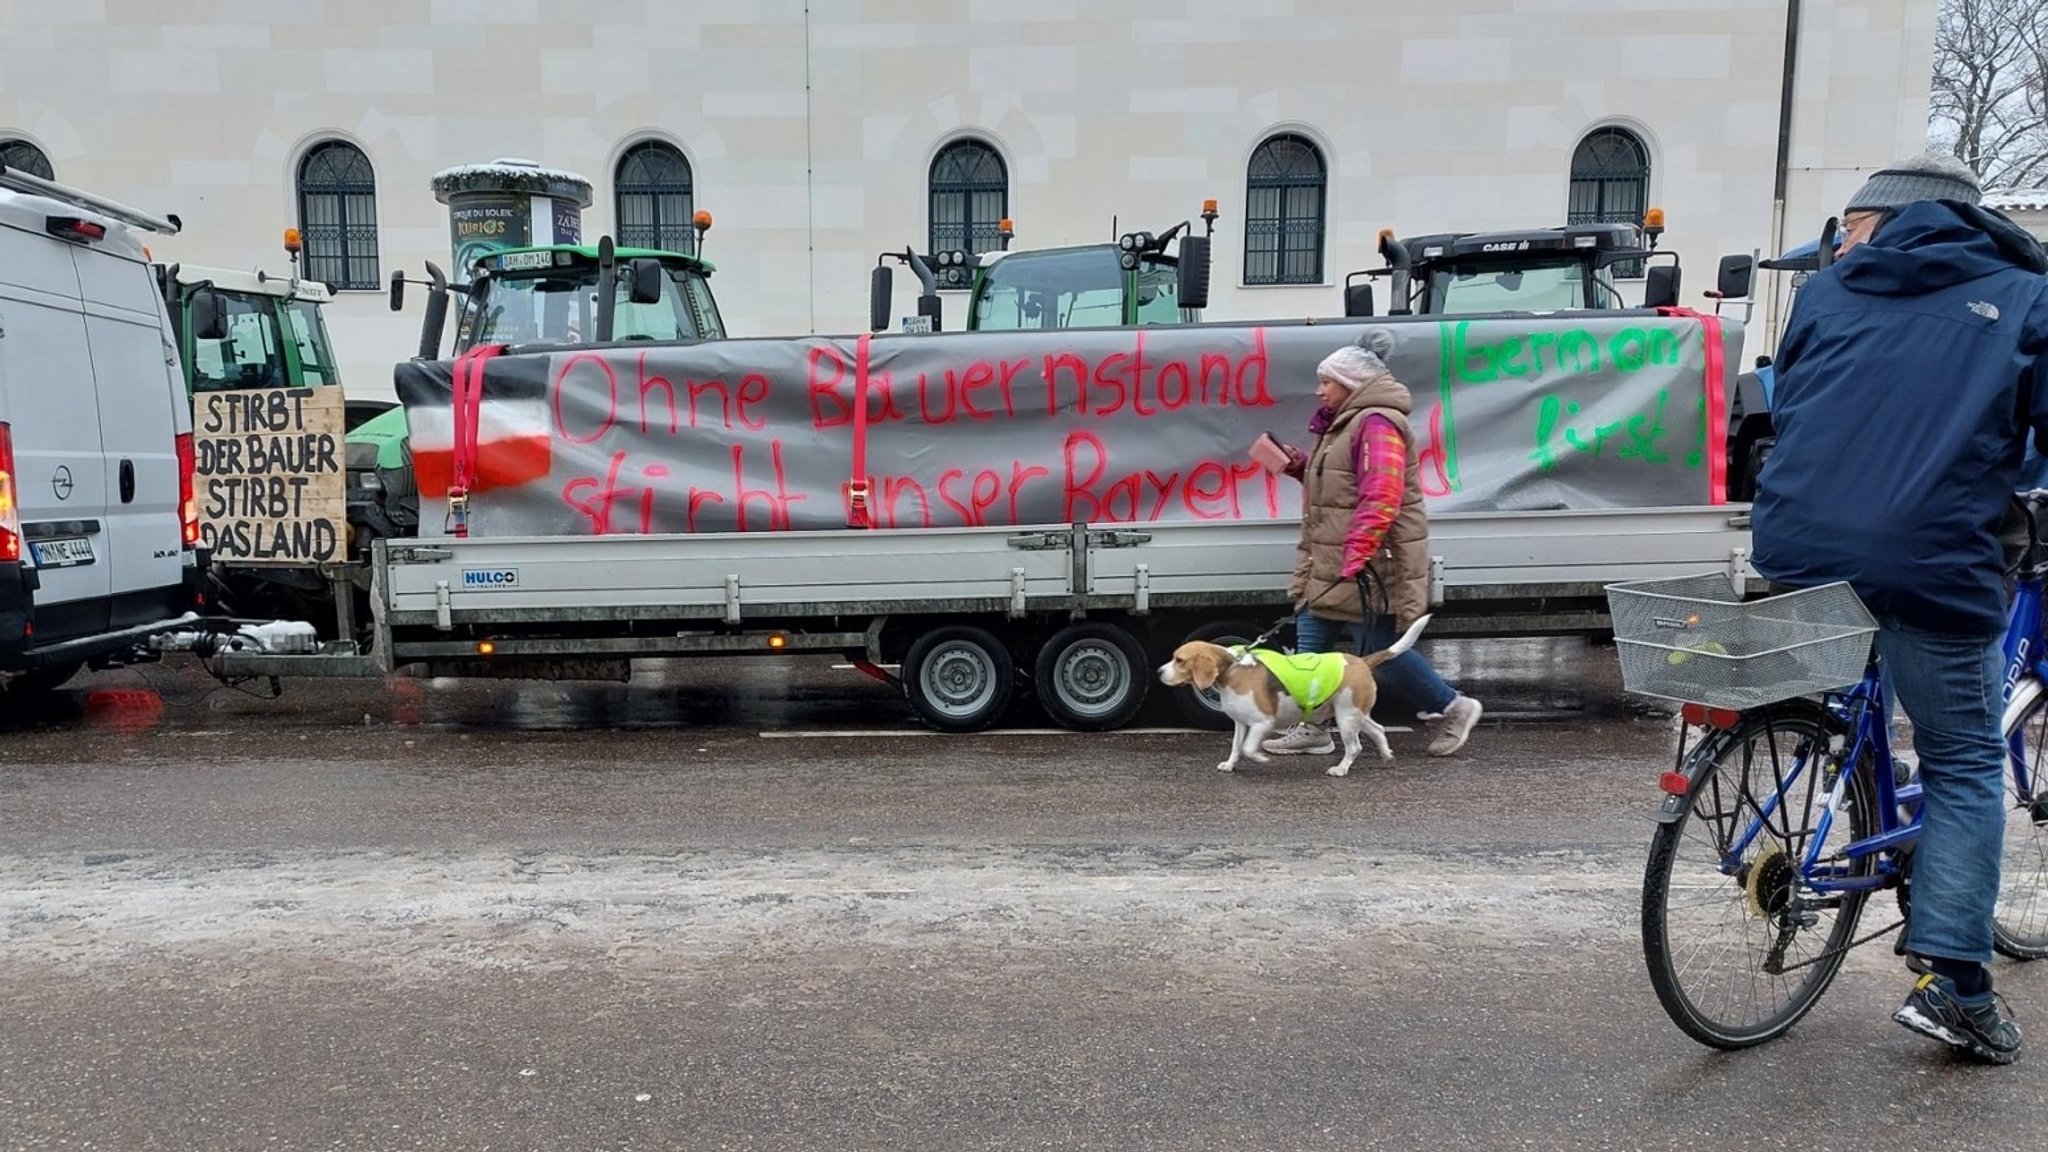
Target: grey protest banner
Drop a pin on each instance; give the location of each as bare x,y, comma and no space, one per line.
1578,411
268,475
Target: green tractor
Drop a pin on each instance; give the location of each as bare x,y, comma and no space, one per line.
1134,281
1534,270
239,329
530,297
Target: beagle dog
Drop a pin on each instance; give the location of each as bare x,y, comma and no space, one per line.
1262,690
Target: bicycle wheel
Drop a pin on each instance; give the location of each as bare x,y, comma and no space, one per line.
1739,946
2019,923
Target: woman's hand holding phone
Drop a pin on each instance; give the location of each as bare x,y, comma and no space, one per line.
1270,454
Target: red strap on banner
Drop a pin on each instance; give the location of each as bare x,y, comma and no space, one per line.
466,416
858,514
1717,401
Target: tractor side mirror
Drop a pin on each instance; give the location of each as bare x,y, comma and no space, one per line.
881,295
209,314
1193,285
1737,277
398,289
1660,286
644,281
1358,301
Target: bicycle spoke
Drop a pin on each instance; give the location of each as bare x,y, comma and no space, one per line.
1739,943
2020,919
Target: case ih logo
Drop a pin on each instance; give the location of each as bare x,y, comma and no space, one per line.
1505,246
490,577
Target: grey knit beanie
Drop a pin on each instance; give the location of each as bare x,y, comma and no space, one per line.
1929,177
1351,366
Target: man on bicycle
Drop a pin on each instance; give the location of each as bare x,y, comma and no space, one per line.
1910,375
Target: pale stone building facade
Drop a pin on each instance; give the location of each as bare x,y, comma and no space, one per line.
814,131
2027,209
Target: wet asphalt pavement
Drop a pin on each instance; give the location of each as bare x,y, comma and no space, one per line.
735,905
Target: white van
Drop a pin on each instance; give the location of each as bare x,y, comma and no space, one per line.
98,520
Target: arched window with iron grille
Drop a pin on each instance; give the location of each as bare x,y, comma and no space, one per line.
653,198
1284,212
970,197
1610,184
23,156
338,216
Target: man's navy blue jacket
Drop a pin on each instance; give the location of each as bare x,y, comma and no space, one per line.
1909,377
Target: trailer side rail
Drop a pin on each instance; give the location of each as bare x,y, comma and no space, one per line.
738,579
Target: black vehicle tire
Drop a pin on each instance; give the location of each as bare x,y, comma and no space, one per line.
1199,708
959,679
29,688
1091,677
1715,806
1753,467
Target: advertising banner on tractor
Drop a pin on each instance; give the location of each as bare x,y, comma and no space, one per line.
1123,426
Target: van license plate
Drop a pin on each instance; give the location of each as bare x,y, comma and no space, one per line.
69,552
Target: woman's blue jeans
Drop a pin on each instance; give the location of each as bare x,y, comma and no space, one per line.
1951,687
1408,675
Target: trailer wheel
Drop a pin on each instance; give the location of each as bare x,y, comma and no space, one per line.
958,679
1203,709
1092,677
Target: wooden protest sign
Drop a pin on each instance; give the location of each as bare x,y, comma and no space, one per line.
270,479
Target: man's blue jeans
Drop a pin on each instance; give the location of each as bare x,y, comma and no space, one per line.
1408,675
1951,688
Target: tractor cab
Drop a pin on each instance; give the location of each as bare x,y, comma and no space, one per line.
1141,279
571,294
1564,269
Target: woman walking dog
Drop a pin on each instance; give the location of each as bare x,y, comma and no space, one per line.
1362,567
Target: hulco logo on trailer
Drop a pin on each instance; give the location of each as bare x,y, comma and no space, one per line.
490,578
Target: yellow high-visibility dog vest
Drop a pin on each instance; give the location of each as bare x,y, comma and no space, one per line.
1310,677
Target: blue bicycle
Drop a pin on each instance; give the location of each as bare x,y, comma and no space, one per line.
1785,810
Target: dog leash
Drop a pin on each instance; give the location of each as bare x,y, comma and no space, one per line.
1272,630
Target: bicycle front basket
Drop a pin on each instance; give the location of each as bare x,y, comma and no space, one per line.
1694,640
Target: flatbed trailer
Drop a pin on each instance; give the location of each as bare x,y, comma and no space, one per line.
960,617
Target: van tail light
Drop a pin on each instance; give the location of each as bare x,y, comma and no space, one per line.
10,512
188,502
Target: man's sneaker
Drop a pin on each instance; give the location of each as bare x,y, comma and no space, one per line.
1977,1028
1301,740
1449,729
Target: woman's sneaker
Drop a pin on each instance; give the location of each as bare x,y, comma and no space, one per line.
1450,729
1301,740
1976,1026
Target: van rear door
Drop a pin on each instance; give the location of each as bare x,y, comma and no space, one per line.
141,415
53,412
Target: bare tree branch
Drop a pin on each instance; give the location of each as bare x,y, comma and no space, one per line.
1988,104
